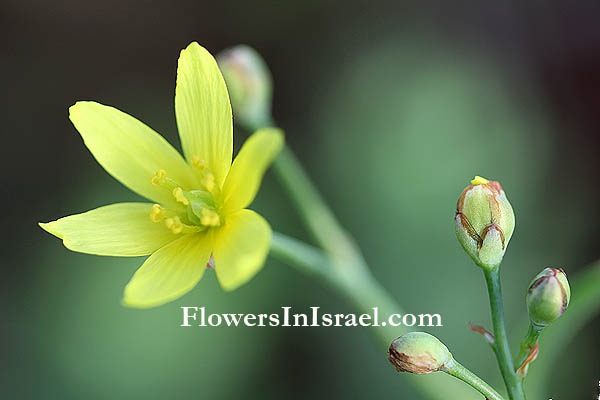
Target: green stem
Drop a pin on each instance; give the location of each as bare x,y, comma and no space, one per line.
317,216
457,370
342,266
363,291
502,349
533,335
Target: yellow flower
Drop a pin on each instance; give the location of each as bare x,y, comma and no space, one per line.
200,215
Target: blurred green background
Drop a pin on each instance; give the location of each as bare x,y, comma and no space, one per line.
392,107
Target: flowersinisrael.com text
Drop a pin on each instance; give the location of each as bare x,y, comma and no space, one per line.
199,316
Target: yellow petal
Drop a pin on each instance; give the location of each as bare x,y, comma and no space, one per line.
170,272
122,229
203,111
248,168
129,150
241,248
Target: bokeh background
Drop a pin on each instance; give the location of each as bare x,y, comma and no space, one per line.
392,107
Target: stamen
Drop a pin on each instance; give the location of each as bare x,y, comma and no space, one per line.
201,208
179,196
199,163
210,218
159,177
177,227
174,224
208,181
157,214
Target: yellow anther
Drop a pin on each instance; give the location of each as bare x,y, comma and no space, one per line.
174,224
156,214
199,163
159,177
210,218
208,181
478,180
179,196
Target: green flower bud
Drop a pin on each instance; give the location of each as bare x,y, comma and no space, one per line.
419,353
548,296
484,222
249,84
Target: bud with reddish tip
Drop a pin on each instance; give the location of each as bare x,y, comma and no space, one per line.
485,222
548,296
419,353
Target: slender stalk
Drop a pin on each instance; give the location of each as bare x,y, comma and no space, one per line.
533,335
364,292
320,221
502,349
457,370
342,266
317,216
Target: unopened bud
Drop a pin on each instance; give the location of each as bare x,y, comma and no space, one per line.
548,296
484,222
419,353
249,84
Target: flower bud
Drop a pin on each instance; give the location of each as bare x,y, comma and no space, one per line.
548,296
249,84
419,353
484,222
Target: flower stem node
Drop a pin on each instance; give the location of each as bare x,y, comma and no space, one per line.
419,353
249,83
548,296
485,222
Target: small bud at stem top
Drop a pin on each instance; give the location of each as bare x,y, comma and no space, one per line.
484,222
548,296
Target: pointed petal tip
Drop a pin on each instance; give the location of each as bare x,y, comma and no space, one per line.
80,110
275,134
194,45
50,228
190,49
230,288
79,105
129,300
132,303
73,110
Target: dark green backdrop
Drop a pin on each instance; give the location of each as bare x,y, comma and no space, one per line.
391,107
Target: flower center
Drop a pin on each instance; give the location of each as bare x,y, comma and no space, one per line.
199,208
